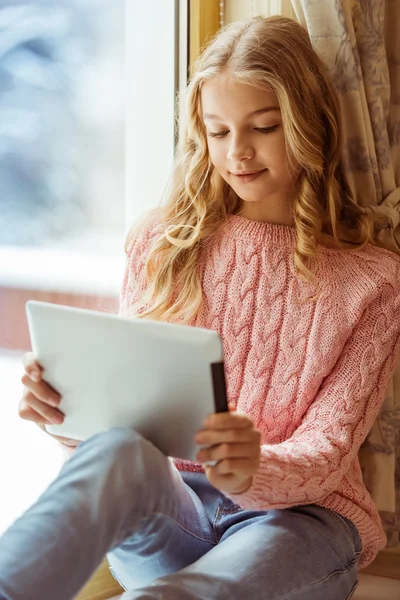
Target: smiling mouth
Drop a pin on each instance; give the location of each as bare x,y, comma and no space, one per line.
243,173
250,176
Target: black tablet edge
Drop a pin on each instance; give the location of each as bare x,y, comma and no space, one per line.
219,385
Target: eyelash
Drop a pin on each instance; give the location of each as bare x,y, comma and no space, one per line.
260,129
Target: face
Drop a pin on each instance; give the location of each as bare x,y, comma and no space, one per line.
245,135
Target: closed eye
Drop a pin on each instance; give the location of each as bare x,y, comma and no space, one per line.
220,134
267,129
217,134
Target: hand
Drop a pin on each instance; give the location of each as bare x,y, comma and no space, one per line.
40,401
235,443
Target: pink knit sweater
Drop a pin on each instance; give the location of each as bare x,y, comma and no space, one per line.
313,376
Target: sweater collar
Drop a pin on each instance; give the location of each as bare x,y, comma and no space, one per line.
280,235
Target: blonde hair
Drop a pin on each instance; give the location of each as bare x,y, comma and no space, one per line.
272,53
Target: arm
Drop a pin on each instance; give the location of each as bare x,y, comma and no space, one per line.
310,465
137,249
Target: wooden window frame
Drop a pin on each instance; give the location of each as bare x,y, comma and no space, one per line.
204,22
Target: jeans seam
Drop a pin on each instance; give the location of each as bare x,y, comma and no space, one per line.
349,565
340,519
353,589
220,513
231,511
113,573
197,537
134,529
216,521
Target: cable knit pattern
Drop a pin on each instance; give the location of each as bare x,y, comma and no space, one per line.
311,376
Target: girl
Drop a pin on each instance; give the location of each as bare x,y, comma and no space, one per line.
259,239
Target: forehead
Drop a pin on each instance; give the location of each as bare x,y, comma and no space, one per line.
223,96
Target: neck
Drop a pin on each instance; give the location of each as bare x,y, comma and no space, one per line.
276,213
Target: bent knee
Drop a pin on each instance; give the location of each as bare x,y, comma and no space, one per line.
118,440
126,447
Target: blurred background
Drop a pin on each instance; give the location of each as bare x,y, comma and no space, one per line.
87,91
61,123
62,205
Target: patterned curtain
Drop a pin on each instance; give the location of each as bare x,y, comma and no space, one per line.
359,41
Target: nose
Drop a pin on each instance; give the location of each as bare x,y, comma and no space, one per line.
239,149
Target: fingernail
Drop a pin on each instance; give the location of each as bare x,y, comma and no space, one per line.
57,419
55,400
35,375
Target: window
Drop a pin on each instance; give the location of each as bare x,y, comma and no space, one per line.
62,138
87,93
87,106
152,30
61,74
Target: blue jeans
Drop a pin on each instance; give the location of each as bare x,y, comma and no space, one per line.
169,536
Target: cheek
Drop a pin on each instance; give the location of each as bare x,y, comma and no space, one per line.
274,149
277,160
216,155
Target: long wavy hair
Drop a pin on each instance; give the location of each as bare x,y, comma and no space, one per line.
275,54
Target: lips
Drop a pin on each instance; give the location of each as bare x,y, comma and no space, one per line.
248,176
240,173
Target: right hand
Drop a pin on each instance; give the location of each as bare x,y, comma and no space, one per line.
40,401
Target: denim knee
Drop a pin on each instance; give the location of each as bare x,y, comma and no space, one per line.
116,438
116,443
124,450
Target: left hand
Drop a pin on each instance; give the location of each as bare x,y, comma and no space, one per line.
235,443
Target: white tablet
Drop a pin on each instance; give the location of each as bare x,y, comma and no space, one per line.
158,378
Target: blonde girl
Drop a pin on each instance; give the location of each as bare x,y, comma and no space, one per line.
258,239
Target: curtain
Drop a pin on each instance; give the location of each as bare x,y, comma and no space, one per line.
238,10
359,41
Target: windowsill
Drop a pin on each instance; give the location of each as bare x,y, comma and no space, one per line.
61,270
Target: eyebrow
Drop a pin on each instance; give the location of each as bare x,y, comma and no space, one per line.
259,111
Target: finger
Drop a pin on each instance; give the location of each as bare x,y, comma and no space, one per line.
229,482
224,451
32,368
31,409
247,466
228,420
219,481
41,390
44,410
28,414
212,437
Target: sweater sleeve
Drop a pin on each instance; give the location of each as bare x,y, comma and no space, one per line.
136,254
309,465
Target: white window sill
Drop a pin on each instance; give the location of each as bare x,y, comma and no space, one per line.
61,271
